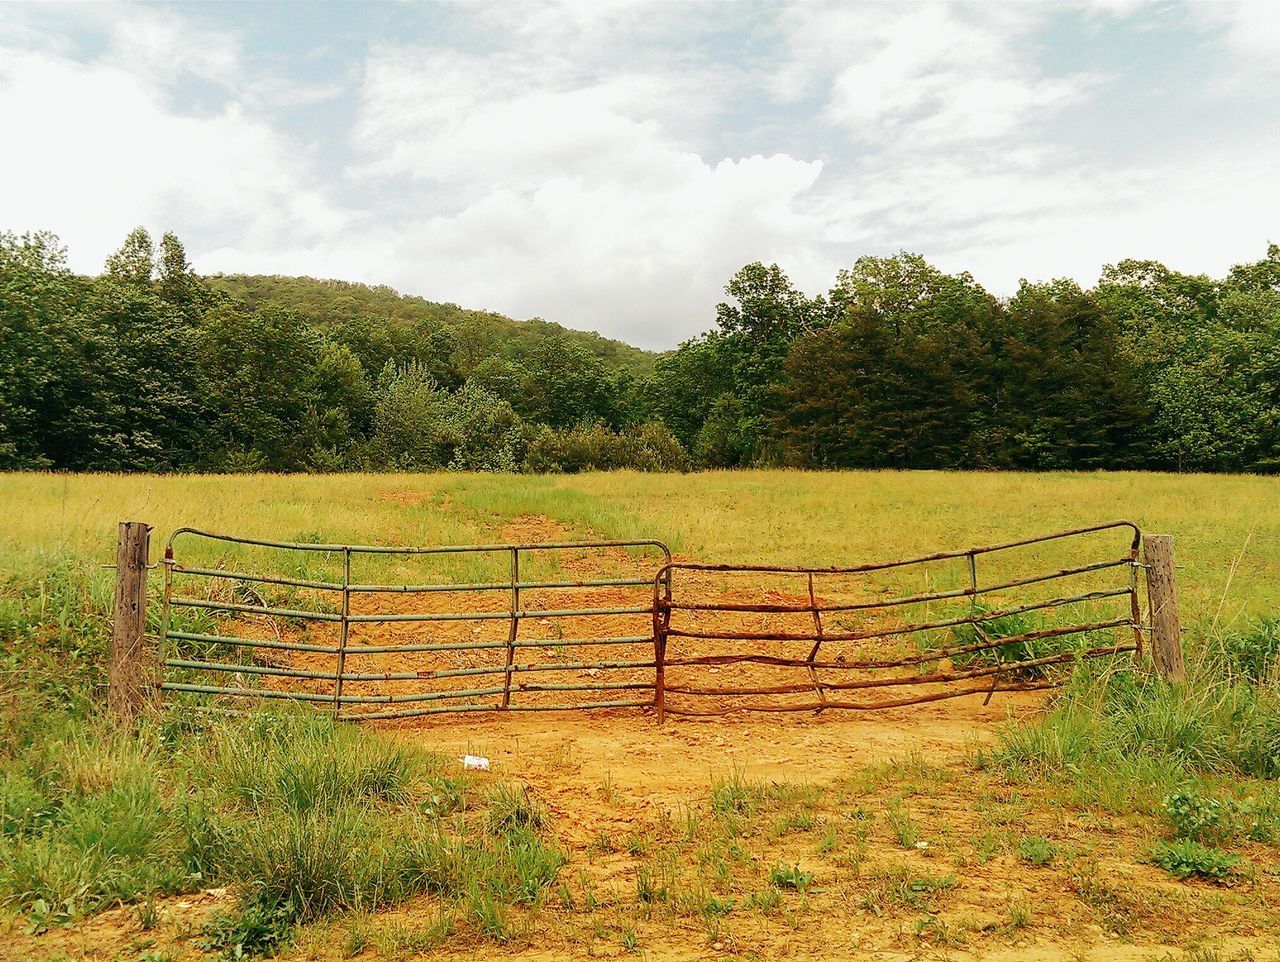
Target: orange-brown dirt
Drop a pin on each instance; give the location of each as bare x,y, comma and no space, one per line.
912,845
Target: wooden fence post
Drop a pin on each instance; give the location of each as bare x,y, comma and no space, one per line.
125,694
1166,632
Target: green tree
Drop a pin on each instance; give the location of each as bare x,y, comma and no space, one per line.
134,262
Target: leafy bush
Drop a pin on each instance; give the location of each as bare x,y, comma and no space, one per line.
1187,859
252,930
1200,819
1251,653
593,446
1213,821
419,425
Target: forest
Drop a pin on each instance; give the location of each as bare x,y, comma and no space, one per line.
150,367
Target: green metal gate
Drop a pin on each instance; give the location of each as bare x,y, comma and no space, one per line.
509,646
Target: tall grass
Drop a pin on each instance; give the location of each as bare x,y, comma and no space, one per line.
774,516
303,818
1125,739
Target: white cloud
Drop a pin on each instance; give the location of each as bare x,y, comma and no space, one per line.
563,161
912,76
565,193
95,151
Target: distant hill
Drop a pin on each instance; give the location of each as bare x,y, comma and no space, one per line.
330,303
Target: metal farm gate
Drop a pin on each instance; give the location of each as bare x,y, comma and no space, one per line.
524,627
427,659
973,637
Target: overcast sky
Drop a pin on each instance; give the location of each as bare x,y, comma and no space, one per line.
610,166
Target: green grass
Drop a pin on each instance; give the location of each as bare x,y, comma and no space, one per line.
307,821
777,516
302,818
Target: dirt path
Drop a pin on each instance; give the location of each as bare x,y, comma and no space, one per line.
665,763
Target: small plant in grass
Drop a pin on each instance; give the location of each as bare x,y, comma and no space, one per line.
445,796
802,820
830,841
147,914
253,930
609,791
713,906
1184,859
397,940
638,843
603,841
767,900
1007,626
487,913
899,885
790,877
735,795
1034,850
512,806
656,881
904,829
1116,909
1019,913
629,941
1251,653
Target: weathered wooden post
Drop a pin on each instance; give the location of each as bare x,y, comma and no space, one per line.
125,693
1166,632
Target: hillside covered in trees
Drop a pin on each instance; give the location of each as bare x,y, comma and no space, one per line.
150,367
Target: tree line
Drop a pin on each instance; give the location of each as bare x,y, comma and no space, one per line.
149,367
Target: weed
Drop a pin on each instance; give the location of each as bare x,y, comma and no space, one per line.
797,821
252,930
830,841
1019,913
901,886
512,806
487,913
790,877
609,791
1250,653
735,795
147,914
768,900
1034,850
1199,819
603,841
397,940
904,829
712,906
1184,858
655,882
1115,909
638,843
446,796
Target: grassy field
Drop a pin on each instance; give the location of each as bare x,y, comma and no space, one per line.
1133,813
1227,528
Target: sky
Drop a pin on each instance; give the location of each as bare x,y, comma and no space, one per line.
611,165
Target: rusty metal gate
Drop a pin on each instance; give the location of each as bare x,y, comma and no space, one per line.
972,638
681,637
304,649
